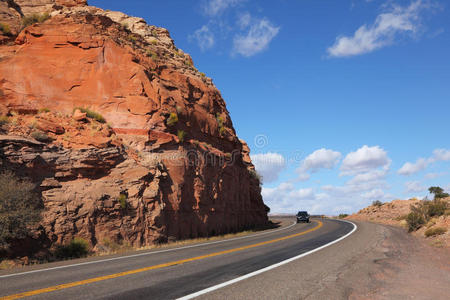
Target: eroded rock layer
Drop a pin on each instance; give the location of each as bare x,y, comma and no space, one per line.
165,163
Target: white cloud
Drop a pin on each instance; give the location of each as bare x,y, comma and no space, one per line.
217,7
434,175
411,168
441,154
268,165
319,159
387,27
414,187
375,194
204,37
365,159
259,35
375,175
422,163
244,20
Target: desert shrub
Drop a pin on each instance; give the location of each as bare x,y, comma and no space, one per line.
202,74
41,136
435,208
254,174
401,218
132,38
91,114
152,54
377,203
415,220
154,42
44,110
172,120
123,201
181,135
4,120
20,207
78,247
5,29
34,18
435,231
342,216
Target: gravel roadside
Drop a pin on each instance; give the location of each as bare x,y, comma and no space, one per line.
376,262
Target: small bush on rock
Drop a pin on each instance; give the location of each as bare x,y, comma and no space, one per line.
4,120
5,29
181,135
173,119
34,18
41,136
91,114
435,231
123,201
78,247
20,207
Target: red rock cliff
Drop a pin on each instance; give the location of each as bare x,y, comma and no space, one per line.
169,145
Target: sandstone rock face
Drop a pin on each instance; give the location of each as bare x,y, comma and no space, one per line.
168,144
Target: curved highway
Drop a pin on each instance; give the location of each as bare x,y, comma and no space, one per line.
184,272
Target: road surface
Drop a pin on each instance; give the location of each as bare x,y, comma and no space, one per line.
176,272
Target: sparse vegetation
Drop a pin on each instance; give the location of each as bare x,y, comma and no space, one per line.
435,231
154,42
254,174
20,207
415,220
91,114
41,136
152,55
202,74
122,200
78,247
34,18
172,120
423,211
44,110
342,216
132,38
219,120
377,203
181,135
5,29
4,120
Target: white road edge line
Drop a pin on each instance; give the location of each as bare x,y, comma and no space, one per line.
143,254
221,285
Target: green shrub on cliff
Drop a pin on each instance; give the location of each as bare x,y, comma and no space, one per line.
34,18
41,136
5,29
172,120
123,201
78,247
4,120
20,207
181,135
91,114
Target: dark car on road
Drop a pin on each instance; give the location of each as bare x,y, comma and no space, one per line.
302,216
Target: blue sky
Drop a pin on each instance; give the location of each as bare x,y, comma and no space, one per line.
341,102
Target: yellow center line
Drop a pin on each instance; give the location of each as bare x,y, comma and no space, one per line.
173,263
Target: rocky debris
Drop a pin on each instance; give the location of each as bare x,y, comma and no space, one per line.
139,95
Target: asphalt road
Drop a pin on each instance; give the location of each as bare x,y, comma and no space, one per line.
170,273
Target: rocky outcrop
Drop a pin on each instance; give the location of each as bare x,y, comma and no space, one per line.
167,145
